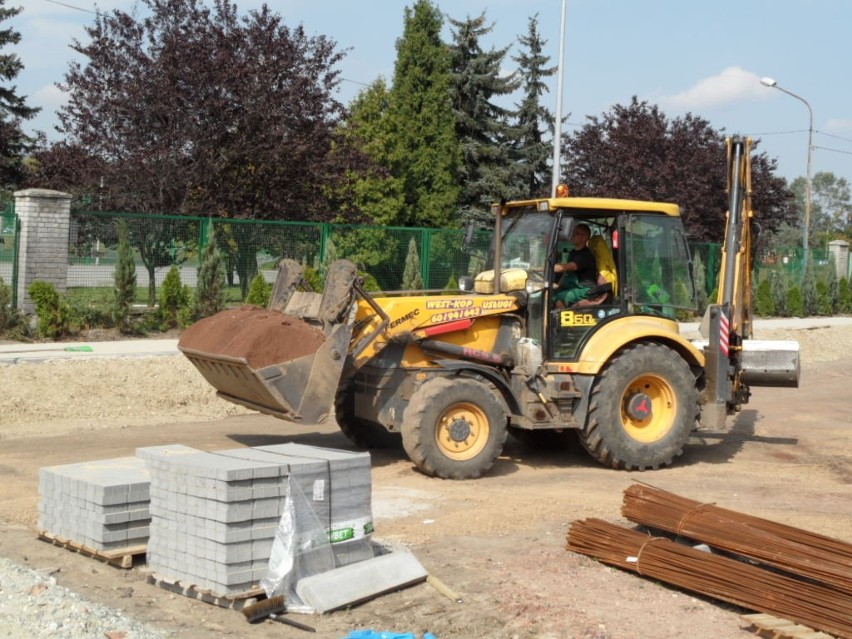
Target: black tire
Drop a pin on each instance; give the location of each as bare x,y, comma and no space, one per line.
360,432
454,428
615,434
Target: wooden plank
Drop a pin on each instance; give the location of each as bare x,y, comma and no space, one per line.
783,628
121,557
233,601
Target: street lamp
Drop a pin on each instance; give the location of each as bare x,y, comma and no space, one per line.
557,124
770,82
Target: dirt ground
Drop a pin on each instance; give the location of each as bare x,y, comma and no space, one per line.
498,541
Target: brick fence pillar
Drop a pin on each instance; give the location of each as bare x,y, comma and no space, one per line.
45,220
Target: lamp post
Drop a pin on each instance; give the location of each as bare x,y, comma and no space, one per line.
557,124
770,82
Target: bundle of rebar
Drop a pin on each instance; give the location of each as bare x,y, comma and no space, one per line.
811,604
793,550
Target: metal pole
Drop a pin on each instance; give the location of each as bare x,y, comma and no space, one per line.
557,128
808,185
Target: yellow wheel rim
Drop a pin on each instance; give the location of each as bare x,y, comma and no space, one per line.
661,414
462,431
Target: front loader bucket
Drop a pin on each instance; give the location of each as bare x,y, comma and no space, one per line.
275,362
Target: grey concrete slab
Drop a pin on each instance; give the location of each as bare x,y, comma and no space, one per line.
359,582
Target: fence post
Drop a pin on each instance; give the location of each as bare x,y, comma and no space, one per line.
425,256
45,218
325,231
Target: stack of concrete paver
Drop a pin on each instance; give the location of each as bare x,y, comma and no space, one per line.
215,514
102,504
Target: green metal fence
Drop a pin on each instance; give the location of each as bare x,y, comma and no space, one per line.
9,240
252,246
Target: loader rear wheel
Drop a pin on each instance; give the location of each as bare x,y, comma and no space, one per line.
361,432
454,428
642,409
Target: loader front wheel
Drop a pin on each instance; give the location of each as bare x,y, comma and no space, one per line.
359,431
642,409
454,428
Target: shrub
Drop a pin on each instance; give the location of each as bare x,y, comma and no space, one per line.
173,297
10,318
700,284
844,296
452,284
795,302
824,305
125,282
259,291
779,279
54,313
212,280
764,304
809,290
314,279
370,283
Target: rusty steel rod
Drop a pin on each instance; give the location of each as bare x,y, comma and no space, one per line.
790,549
743,584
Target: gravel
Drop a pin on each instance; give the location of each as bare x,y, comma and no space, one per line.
32,604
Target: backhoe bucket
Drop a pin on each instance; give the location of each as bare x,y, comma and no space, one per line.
285,363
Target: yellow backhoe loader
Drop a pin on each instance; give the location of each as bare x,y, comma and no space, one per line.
450,375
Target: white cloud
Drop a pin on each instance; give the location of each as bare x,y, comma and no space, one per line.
730,86
839,125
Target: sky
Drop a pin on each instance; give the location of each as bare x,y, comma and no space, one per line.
701,57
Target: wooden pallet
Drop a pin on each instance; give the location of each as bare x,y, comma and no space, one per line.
121,557
234,601
775,628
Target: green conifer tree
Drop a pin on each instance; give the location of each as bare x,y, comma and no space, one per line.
482,127
173,298
259,291
808,290
411,278
124,278
764,304
425,152
210,291
533,150
378,193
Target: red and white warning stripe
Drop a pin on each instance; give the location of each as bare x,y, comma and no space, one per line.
724,333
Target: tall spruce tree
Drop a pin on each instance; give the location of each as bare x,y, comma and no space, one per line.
481,125
425,153
533,149
14,143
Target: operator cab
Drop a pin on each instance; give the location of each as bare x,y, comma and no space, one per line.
642,260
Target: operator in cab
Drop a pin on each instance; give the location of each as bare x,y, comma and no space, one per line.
579,273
